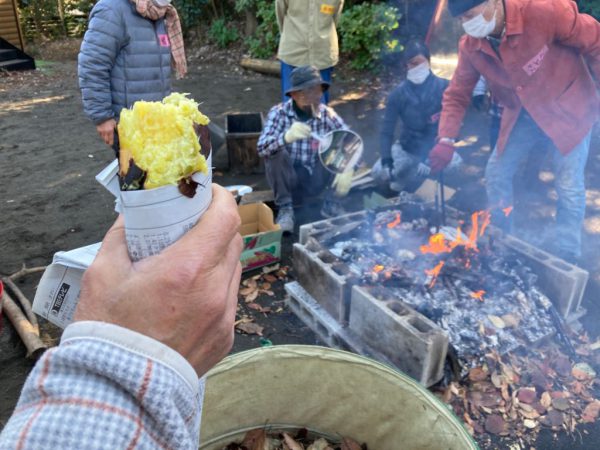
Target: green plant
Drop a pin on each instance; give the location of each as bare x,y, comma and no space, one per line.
191,12
591,7
263,43
366,34
222,34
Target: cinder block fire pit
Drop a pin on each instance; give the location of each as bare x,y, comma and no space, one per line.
394,285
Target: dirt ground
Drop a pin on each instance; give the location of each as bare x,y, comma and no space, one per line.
50,153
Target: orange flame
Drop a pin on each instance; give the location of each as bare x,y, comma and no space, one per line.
434,273
395,222
478,295
486,219
507,210
378,268
437,244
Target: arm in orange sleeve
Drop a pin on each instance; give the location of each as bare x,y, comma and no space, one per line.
579,31
457,96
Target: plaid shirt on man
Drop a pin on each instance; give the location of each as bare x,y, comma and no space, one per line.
105,388
303,151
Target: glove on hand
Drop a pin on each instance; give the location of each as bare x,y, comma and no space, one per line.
297,131
343,182
423,170
440,156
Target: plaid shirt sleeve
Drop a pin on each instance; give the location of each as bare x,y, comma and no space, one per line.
105,387
271,139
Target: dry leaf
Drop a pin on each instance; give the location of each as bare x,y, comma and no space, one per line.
269,293
247,291
561,404
562,365
251,297
270,278
531,424
527,395
350,444
477,374
291,443
496,321
583,371
497,380
250,328
255,439
591,412
265,286
495,424
319,444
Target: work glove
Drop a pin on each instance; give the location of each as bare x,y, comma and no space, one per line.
440,156
297,131
343,182
423,170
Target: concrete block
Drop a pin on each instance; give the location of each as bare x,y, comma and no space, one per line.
317,229
563,283
314,271
408,339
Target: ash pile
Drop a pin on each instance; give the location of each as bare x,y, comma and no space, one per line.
481,293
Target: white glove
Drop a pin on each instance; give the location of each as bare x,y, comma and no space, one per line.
297,131
343,182
423,170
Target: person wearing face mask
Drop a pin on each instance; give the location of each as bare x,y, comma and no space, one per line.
416,102
289,146
541,59
126,55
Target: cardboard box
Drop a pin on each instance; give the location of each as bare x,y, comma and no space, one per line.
262,237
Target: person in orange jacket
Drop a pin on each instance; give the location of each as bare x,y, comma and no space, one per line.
540,58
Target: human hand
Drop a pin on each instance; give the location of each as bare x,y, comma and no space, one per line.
297,131
423,170
440,156
184,297
106,130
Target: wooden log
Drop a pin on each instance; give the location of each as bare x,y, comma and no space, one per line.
26,331
261,65
24,301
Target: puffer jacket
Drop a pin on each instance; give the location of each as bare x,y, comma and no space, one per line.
123,58
418,106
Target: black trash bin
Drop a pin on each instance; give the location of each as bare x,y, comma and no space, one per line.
242,131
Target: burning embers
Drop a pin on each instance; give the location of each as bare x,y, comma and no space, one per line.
479,292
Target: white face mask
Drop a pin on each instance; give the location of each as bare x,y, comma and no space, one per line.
419,74
478,27
162,3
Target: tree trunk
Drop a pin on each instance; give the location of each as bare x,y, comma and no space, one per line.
251,22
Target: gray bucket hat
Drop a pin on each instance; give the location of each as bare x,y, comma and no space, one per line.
305,77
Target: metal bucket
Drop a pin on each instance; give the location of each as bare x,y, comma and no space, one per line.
330,392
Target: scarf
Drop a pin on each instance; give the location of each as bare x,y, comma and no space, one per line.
149,10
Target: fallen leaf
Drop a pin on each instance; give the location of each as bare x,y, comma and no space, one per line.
269,293
497,380
247,291
546,400
270,278
265,286
591,412
531,424
562,365
250,328
255,439
583,371
319,444
553,419
495,424
478,374
496,321
527,395
350,444
252,296
561,404
291,442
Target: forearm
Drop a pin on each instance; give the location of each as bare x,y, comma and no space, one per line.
103,377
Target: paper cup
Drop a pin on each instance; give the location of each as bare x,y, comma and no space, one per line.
156,218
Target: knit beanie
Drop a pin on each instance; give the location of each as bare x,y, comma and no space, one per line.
413,48
458,7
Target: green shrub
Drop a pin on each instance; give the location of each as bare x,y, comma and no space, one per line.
263,43
591,7
191,12
366,34
222,34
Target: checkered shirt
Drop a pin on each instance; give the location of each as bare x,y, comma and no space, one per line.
303,151
113,389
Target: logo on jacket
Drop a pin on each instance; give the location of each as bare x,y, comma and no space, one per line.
164,40
534,63
435,117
